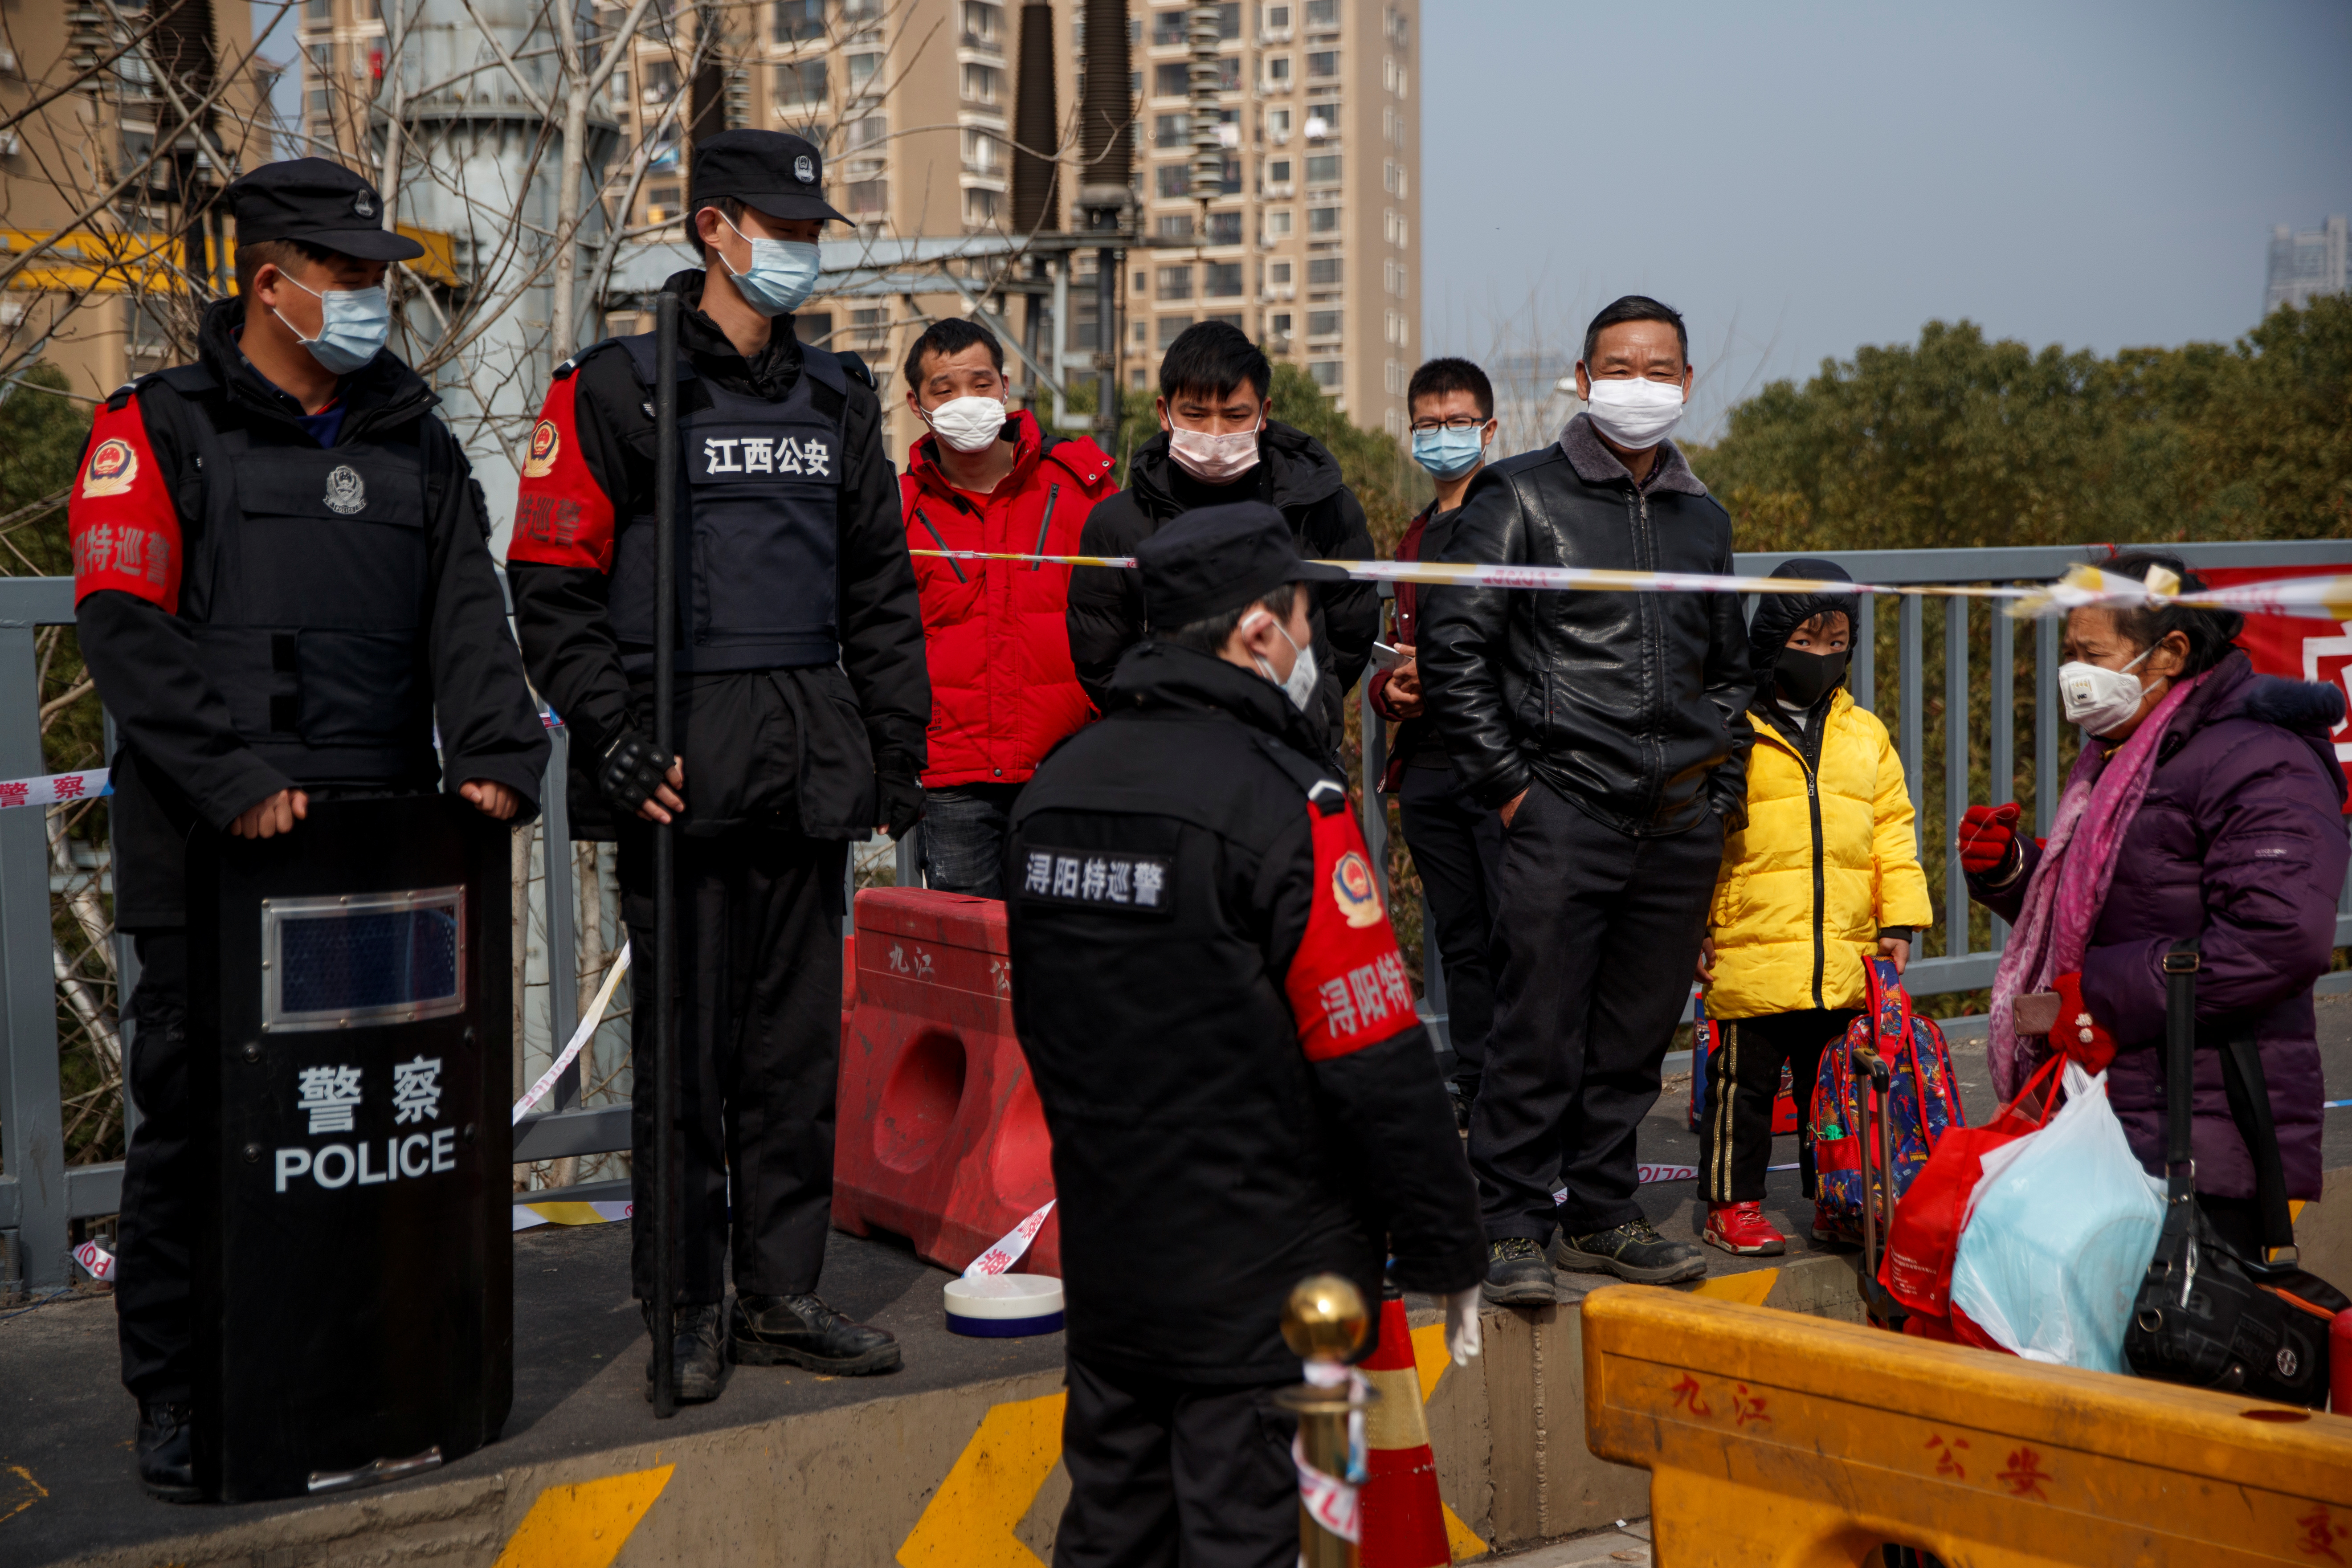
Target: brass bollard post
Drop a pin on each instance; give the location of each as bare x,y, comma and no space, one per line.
1324,1323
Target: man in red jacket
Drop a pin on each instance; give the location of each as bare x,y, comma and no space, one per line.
1002,688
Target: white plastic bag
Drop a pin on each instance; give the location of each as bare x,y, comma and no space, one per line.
2059,1235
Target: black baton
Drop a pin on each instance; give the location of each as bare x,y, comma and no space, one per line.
664,986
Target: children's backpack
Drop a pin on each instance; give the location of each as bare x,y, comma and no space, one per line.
1707,1034
1923,1102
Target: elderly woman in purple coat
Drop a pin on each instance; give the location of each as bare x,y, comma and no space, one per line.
2206,803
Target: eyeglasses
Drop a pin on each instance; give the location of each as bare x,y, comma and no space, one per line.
1459,422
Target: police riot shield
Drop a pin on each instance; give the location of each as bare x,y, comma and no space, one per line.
350,1050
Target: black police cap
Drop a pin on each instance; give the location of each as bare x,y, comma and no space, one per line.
320,204
767,170
1219,558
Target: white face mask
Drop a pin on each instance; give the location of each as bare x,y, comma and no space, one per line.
2100,700
1635,413
967,424
1215,459
1299,686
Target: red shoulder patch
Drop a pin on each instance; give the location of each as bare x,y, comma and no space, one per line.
1346,984
121,518
562,517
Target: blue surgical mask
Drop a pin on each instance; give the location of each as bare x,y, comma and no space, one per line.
352,326
1449,453
783,271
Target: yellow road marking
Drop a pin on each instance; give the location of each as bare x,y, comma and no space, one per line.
39,1491
583,1526
990,1489
1751,1287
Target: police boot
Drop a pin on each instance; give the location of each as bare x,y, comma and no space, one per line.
698,1360
167,1463
802,1330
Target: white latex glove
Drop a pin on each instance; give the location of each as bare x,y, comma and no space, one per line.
1462,1325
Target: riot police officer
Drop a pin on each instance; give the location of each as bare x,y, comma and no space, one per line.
281,577
1225,1045
802,702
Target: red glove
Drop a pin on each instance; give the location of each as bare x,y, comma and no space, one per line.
1989,841
2077,1035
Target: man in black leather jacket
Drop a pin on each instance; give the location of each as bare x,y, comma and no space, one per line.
1608,729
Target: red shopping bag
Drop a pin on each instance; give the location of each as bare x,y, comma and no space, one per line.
1925,1233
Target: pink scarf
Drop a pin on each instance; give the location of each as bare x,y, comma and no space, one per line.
2070,885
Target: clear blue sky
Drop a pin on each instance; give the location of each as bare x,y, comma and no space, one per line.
1800,179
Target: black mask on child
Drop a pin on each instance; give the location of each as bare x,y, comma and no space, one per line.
1805,677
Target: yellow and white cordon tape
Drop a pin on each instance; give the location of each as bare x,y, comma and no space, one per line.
2082,587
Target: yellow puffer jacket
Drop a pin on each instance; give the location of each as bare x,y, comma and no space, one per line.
1788,936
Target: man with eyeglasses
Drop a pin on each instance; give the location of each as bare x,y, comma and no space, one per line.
1456,843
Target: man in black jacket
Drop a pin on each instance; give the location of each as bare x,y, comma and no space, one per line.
802,705
282,578
1218,445
1223,1038
1610,732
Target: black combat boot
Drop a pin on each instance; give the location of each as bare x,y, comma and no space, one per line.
804,1331
1517,1273
701,1357
167,1463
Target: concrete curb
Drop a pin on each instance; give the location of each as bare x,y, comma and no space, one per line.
971,1474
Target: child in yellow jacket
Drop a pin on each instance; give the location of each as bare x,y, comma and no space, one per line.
1824,877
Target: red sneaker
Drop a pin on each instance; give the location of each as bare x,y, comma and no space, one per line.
1742,1229
1830,1229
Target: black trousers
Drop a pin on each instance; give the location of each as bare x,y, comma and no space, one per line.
152,1287
964,834
1600,931
758,1021
1176,1475
1457,847
1743,1077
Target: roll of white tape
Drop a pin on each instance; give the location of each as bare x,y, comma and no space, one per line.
1005,1306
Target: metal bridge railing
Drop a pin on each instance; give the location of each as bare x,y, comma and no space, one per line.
41,1195
1979,654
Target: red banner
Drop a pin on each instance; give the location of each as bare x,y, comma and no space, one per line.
2303,647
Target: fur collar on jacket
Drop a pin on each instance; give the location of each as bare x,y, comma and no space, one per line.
1597,465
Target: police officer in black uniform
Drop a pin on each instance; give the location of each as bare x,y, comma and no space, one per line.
801,703
281,577
1223,1038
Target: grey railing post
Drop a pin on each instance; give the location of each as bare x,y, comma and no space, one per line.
1864,683
563,938
2002,753
910,857
32,1136
2045,724
1956,772
1906,679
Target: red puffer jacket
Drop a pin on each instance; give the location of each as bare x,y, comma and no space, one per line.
1002,688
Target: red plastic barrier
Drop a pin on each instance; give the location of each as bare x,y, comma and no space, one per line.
939,1137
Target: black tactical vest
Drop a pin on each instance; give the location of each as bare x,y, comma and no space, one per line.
759,528
307,591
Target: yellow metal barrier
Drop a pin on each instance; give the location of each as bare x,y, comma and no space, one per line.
1774,1438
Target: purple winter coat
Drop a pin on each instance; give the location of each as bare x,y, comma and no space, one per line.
2240,842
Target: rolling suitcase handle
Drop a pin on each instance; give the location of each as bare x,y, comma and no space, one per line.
1880,1305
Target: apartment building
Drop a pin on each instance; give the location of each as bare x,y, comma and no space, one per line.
110,299
2307,264
1310,242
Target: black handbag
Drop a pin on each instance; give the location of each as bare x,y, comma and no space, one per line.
2205,1315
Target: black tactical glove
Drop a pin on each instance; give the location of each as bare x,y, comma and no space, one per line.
899,790
629,772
